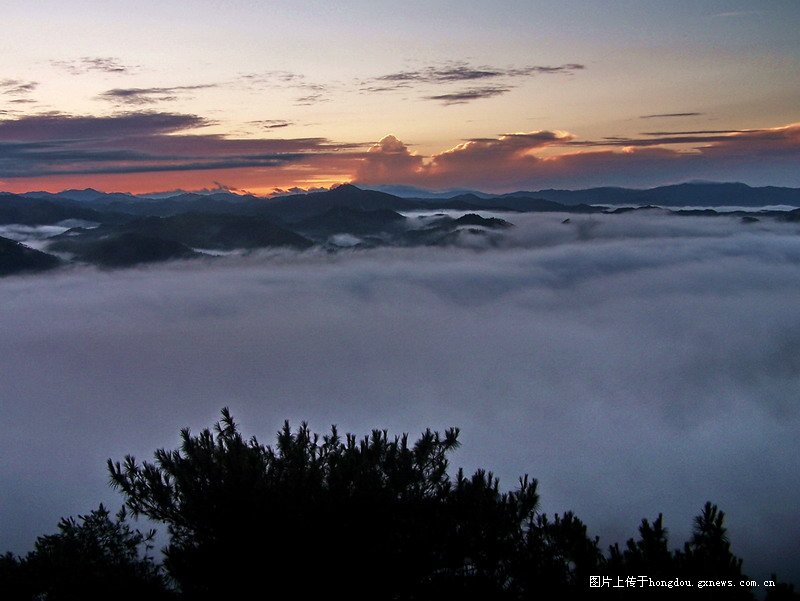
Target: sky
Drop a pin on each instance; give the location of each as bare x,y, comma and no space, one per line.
257,96
635,364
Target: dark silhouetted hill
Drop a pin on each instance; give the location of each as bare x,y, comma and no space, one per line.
224,232
128,249
474,219
791,216
86,195
447,231
679,195
18,258
34,211
191,230
304,206
341,219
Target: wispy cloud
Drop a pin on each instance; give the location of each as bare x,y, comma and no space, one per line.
271,123
737,13
462,71
310,99
17,87
139,96
271,78
456,72
310,92
699,137
391,87
487,81
497,80
86,64
464,96
670,115
690,133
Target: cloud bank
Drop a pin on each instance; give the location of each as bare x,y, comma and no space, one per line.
57,145
516,161
130,149
635,364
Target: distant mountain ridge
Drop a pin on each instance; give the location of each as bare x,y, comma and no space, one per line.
87,195
118,230
705,194
694,194
678,195
38,211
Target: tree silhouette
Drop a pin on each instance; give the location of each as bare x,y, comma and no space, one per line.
782,592
377,516
708,555
371,518
91,558
649,555
15,578
557,556
709,551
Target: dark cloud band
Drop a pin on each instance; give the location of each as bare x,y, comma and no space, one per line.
17,87
460,72
141,142
670,115
464,96
138,96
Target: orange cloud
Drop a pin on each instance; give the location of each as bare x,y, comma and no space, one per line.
499,159
515,161
389,161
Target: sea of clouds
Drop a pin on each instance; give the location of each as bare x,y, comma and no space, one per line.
634,364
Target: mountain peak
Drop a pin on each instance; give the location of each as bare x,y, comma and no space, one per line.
346,188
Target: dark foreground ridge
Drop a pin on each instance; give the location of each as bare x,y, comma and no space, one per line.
373,518
120,230
18,258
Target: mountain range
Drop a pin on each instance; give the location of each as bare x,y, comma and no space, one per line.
691,194
118,229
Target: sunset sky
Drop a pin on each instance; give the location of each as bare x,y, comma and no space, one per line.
497,96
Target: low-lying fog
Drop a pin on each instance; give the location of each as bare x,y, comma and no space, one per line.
634,364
